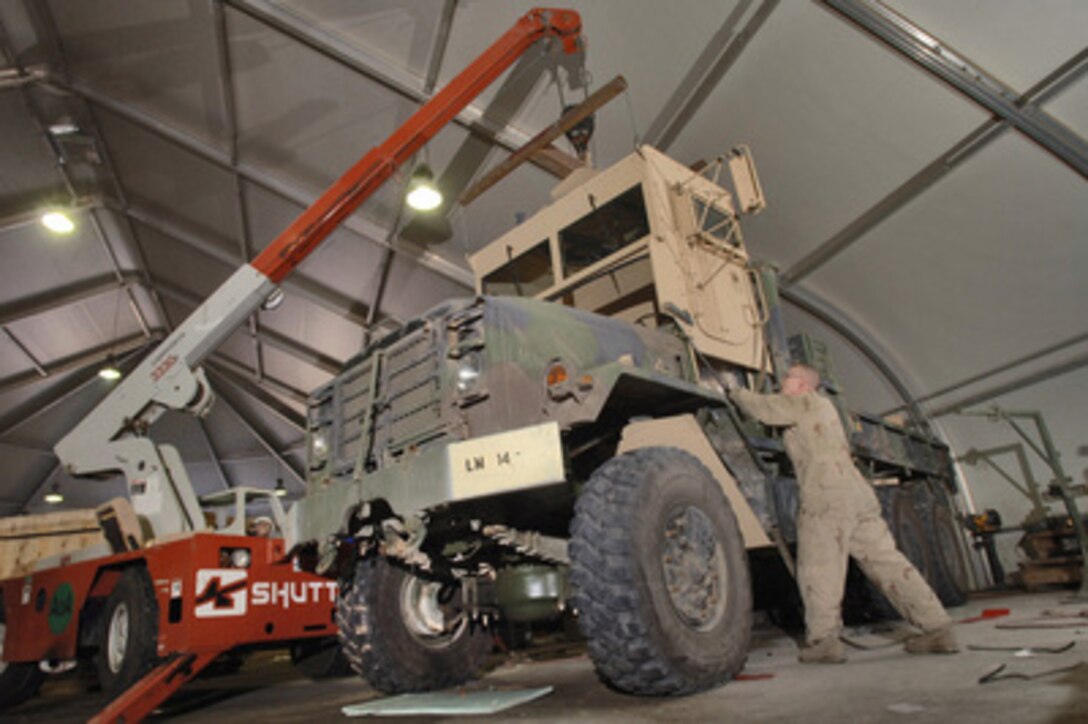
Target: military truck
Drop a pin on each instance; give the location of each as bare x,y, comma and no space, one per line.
563,442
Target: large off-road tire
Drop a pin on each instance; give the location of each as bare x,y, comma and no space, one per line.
909,530
899,509
18,680
127,636
660,575
320,658
403,633
950,576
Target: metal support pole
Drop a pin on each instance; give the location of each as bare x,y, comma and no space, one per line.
1048,452
214,454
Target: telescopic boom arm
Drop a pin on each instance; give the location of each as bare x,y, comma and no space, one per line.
113,436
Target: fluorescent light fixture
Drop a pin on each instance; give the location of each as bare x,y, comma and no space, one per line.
109,372
58,222
63,128
422,194
281,489
54,497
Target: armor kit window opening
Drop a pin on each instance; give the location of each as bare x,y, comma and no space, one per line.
604,231
524,276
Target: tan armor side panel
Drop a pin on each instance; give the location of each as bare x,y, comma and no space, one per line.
693,259
698,272
683,432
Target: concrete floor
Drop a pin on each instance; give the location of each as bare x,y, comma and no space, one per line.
877,685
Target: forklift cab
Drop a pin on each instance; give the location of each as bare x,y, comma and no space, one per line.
245,511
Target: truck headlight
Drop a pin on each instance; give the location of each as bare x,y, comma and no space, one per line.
319,446
469,368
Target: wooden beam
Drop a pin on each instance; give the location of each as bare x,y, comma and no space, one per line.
539,143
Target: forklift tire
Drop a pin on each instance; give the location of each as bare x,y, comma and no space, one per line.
127,635
18,681
660,575
951,577
404,633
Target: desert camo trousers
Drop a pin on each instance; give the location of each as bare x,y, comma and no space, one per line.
837,521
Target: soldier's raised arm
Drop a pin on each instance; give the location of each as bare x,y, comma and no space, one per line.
778,410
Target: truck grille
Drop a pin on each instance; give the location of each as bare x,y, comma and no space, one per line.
380,407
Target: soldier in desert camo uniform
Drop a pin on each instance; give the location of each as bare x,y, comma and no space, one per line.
840,517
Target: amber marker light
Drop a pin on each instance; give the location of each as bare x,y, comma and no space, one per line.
557,375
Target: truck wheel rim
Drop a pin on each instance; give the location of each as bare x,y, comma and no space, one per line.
424,616
3,633
117,638
693,564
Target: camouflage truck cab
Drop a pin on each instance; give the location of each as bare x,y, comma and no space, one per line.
563,441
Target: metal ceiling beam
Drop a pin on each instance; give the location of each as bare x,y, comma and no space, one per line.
41,485
119,274
321,295
271,384
213,454
272,338
1018,362
438,51
92,356
257,457
1033,378
263,441
297,350
86,289
26,352
61,160
939,59
378,69
46,27
56,395
58,297
357,224
960,151
719,55
225,76
270,403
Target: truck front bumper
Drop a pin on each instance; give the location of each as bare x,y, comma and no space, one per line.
529,457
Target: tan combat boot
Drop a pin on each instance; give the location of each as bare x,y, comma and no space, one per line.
938,641
825,651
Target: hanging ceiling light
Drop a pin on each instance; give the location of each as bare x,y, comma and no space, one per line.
58,222
64,127
422,193
54,496
110,372
281,489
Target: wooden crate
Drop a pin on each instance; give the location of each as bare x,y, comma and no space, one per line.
1036,575
26,539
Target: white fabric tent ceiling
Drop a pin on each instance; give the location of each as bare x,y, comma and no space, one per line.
929,244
